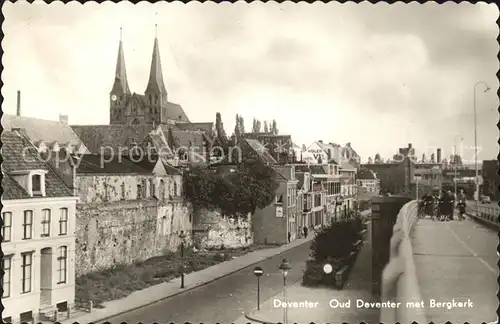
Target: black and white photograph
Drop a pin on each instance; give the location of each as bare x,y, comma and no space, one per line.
249,163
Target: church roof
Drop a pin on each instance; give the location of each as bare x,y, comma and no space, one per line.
112,137
155,83
120,85
40,130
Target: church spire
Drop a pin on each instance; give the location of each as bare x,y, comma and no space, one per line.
155,84
120,85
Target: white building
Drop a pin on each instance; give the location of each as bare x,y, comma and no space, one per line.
38,231
368,180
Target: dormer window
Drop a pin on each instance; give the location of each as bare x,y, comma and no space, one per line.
36,183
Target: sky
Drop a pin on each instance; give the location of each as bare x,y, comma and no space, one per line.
378,76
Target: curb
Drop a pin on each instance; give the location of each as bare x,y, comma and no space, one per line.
483,221
190,288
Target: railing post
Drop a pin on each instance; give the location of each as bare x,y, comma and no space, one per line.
384,214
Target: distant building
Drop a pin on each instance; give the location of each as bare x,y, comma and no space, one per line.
367,179
152,107
279,146
272,224
38,234
395,177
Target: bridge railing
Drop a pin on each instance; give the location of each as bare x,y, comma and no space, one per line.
393,219
485,214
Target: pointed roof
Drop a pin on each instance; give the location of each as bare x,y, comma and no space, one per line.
121,84
155,83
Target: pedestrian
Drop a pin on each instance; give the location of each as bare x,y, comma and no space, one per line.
289,237
451,204
305,231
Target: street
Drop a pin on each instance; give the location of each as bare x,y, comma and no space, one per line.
223,300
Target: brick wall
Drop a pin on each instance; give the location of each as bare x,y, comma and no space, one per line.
114,227
213,230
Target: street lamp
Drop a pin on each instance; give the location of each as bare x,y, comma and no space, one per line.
487,88
182,236
285,267
455,161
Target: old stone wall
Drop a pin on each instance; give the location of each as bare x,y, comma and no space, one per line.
115,226
213,230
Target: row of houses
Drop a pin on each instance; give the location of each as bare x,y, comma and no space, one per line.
83,198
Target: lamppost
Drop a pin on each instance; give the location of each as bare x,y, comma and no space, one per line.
487,88
455,162
285,267
182,236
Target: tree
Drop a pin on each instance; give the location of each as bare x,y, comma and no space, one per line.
304,148
242,125
266,128
238,134
423,158
221,133
274,127
370,160
377,158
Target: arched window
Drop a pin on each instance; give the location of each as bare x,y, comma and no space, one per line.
62,257
161,195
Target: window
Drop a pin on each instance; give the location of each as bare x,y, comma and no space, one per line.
139,191
26,272
123,190
7,226
6,265
61,264
279,199
46,222
27,224
175,188
63,221
144,188
152,188
36,184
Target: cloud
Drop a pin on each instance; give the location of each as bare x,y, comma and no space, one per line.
378,76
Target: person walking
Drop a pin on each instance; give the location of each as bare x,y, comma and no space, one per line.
450,202
461,204
305,231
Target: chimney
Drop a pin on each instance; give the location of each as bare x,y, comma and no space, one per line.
18,103
438,155
63,118
409,145
320,141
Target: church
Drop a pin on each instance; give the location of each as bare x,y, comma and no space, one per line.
134,118
152,107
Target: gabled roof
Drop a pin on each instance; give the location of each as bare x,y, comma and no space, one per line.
12,189
20,155
98,164
262,151
111,137
366,174
345,165
38,130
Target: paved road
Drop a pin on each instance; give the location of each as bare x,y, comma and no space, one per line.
224,300
457,259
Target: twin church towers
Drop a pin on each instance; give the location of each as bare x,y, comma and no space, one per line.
152,107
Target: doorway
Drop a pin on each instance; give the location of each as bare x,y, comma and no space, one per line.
46,277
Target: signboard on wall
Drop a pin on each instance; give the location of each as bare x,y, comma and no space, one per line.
279,211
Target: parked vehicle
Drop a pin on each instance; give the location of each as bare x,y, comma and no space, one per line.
485,200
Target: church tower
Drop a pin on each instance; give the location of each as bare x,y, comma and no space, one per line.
120,93
156,94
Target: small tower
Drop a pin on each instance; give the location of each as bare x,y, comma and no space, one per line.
120,92
156,94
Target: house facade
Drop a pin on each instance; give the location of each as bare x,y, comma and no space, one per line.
367,179
271,225
38,230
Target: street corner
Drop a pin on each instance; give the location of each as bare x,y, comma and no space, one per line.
259,316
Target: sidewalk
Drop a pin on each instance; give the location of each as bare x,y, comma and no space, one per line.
358,287
456,260
169,289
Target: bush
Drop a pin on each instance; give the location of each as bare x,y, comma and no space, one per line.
333,245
